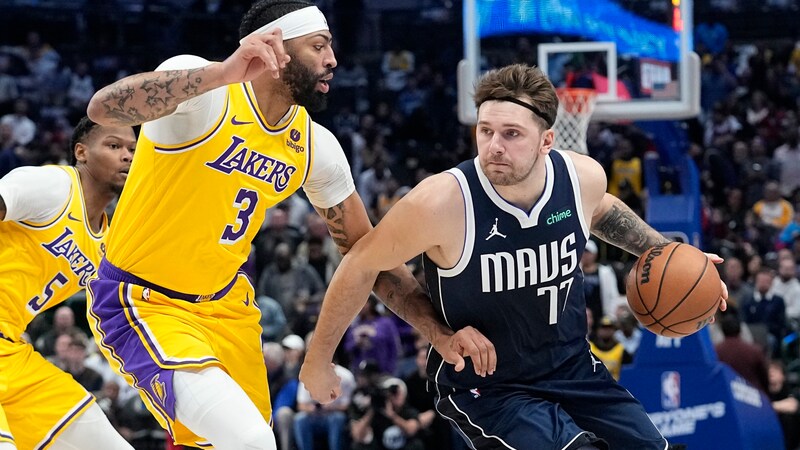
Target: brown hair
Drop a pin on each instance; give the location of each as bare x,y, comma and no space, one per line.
522,83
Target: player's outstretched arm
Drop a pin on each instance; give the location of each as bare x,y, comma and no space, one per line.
397,288
147,96
410,228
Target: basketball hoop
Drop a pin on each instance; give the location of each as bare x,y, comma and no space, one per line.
575,109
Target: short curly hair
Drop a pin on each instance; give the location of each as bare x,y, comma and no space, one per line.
81,132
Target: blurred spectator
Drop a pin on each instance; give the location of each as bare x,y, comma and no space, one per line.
435,431
294,351
23,129
42,59
282,392
791,232
411,97
772,210
396,66
599,283
329,420
629,333
787,158
746,359
288,281
74,365
759,169
716,83
391,195
382,420
10,157
626,169
108,400
316,257
721,129
8,84
787,287
765,312
276,231
372,336
273,320
63,323
785,403
372,182
734,277
81,87
606,347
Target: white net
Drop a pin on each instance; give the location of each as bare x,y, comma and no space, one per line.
575,109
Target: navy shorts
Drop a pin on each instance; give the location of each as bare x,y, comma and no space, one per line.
579,404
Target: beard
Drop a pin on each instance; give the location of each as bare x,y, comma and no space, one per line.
302,82
516,176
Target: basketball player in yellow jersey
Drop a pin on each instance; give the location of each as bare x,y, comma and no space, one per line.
220,144
51,241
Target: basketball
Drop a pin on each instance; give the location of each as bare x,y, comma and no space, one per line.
673,289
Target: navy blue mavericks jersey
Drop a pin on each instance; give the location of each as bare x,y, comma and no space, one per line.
518,280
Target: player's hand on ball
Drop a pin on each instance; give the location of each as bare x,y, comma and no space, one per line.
723,301
471,343
321,381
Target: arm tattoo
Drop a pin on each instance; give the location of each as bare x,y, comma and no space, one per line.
408,301
149,96
620,226
334,217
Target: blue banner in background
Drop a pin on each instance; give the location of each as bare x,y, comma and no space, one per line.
597,20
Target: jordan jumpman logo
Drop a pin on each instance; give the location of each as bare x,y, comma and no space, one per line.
493,232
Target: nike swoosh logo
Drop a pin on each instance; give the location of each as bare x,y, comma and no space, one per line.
236,122
69,216
247,299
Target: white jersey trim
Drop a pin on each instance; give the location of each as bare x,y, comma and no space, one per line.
576,190
525,220
469,228
35,194
192,118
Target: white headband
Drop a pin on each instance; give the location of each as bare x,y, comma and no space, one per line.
296,23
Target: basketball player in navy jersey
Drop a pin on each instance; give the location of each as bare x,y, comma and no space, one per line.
501,237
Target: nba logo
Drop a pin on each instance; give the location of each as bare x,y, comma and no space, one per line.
670,390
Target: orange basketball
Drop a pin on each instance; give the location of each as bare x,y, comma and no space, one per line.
673,289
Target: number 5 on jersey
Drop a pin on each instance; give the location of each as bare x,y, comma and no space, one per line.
245,202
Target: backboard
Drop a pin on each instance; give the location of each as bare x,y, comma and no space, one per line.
637,54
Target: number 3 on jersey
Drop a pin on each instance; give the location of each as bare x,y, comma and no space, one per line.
245,202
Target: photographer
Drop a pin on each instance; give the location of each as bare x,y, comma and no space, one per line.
381,419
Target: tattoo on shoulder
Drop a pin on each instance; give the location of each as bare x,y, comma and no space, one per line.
334,217
622,227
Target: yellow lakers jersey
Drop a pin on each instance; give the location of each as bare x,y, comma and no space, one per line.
43,264
625,171
612,358
189,212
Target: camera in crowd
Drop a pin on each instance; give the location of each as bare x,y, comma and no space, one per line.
380,394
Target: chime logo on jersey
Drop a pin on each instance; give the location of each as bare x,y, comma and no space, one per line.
257,165
64,246
504,271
